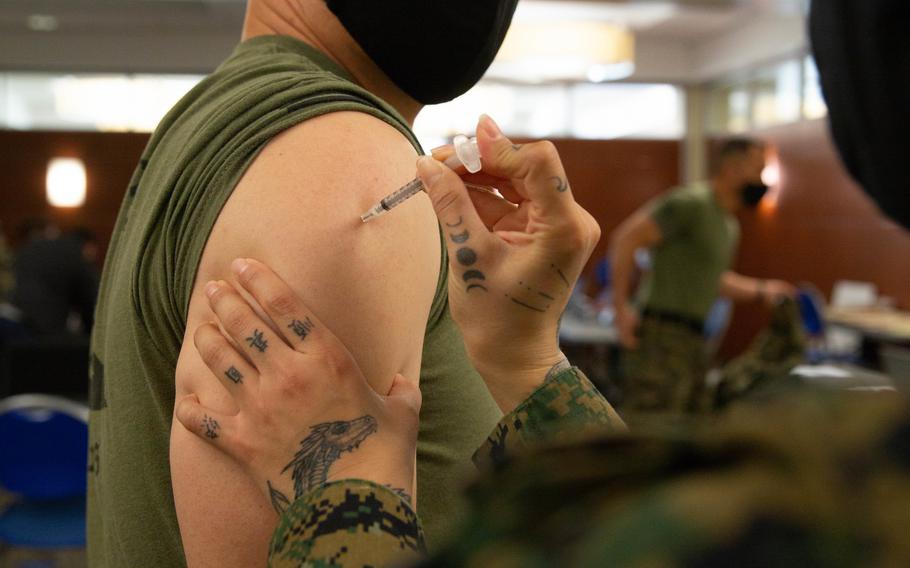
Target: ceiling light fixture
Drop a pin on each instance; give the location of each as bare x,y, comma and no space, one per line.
574,51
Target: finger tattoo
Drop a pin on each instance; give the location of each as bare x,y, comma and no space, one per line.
302,328
211,427
258,341
234,375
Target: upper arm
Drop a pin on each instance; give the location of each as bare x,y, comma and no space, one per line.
297,209
639,231
673,214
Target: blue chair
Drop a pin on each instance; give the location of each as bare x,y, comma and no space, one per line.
812,311
716,324
43,458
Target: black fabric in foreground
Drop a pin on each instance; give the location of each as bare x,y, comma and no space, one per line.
862,49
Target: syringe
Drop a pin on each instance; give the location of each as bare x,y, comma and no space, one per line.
466,154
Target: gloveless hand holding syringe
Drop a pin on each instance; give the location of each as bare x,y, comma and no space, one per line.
466,154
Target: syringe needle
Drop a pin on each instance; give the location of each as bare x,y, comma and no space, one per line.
373,213
466,154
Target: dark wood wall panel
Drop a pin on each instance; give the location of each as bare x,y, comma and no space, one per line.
612,178
822,229
109,162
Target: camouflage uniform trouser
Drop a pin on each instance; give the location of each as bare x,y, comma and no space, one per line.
666,373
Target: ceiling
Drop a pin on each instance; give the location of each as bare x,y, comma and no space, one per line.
680,19
194,35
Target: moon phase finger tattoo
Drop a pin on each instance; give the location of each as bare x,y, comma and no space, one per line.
460,238
473,275
467,257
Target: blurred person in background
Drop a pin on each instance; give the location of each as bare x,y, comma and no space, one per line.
53,280
91,249
692,235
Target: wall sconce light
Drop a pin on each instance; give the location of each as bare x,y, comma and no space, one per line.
66,182
770,176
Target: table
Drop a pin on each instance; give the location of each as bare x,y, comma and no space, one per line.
878,326
575,331
882,325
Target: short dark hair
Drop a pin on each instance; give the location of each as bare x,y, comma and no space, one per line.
732,148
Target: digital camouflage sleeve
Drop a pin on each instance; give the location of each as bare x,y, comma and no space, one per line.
358,523
802,477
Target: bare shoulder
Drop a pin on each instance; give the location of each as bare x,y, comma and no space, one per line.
297,209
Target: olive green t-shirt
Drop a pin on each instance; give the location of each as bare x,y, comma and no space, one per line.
187,173
699,239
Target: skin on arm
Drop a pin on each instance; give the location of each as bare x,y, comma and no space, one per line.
512,266
740,288
297,209
513,261
638,231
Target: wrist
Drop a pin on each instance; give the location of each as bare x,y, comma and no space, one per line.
760,290
511,382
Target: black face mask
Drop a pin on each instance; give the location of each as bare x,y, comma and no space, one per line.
752,194
433,50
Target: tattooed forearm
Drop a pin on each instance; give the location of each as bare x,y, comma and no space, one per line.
323,447
234,375
258,341
211,427
456,223
302,328
401,492
280,501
